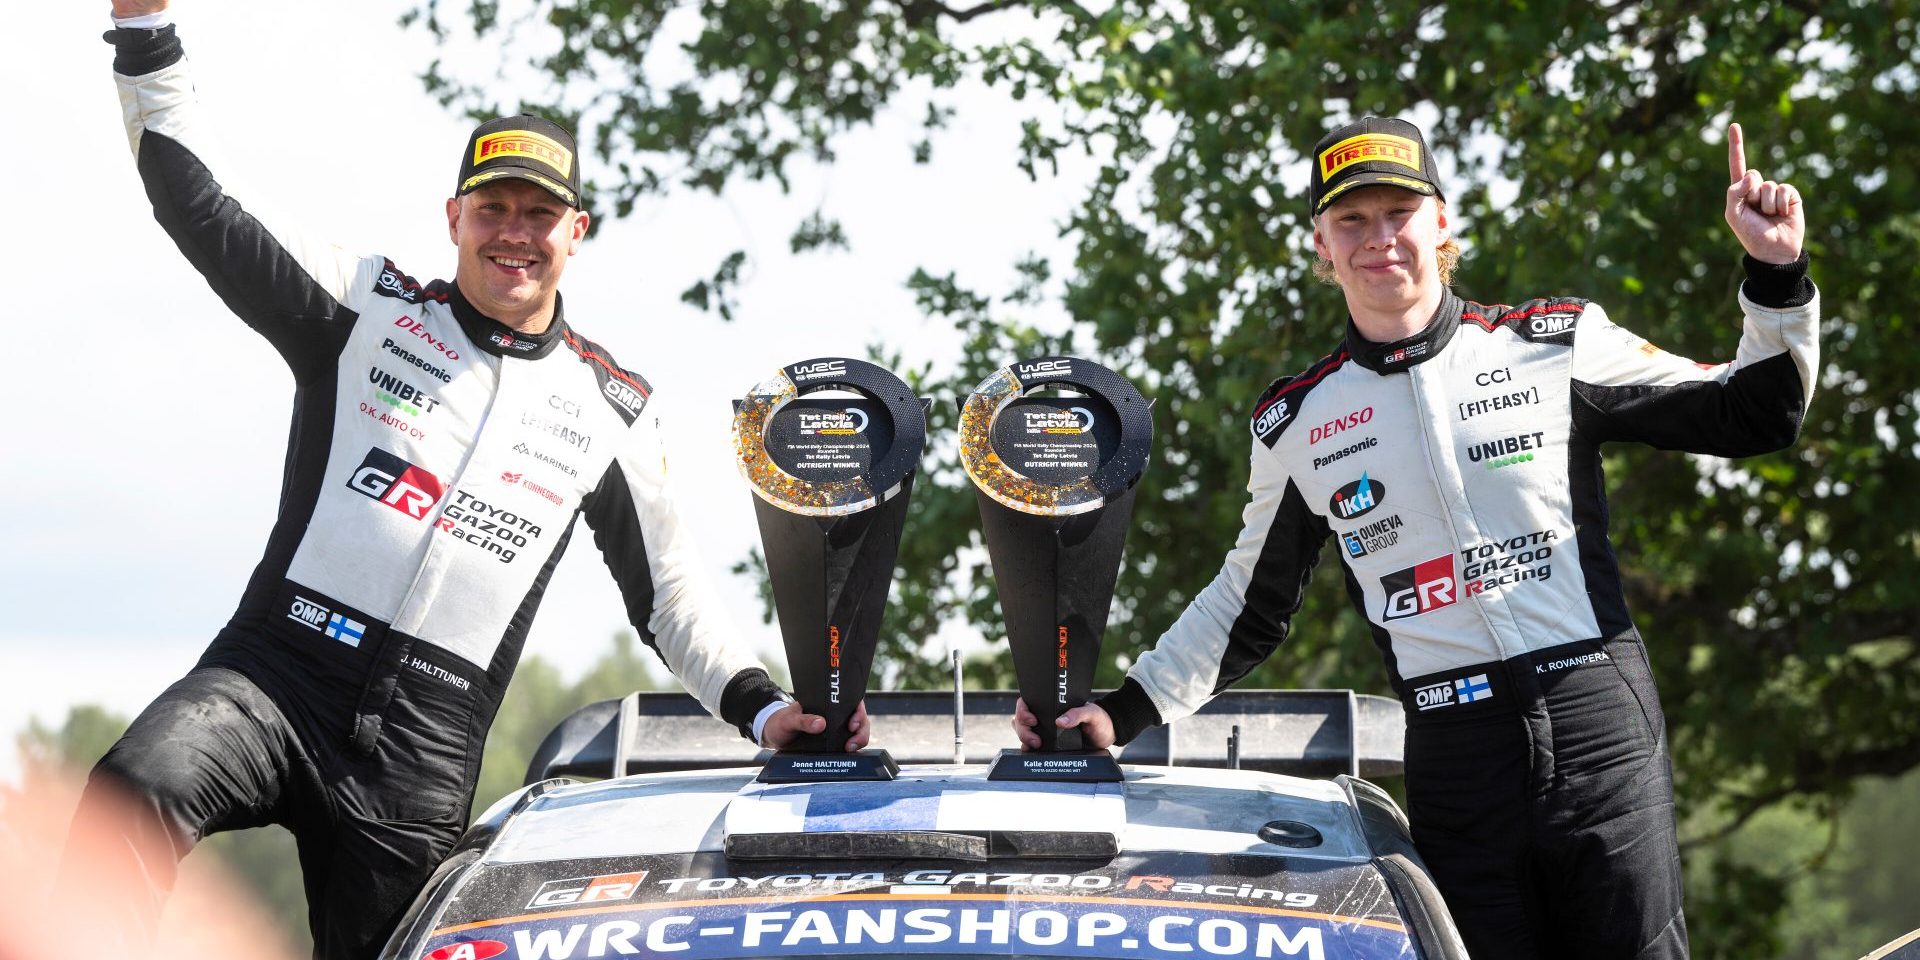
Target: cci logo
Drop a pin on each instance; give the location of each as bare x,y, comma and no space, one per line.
607,888
1357,498
396,483
1421,588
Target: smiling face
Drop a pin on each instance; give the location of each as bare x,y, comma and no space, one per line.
1384,245
514,239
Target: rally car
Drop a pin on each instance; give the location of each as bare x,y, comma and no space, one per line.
1243,831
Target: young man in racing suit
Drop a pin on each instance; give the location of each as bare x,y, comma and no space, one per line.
1453,449
445,435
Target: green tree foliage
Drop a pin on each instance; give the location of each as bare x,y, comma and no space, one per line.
1778,593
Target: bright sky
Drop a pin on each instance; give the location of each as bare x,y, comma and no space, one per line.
142,457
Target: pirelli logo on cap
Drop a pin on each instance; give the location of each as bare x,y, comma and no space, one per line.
526,143
1369,146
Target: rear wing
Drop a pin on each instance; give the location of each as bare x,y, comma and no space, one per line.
1306,733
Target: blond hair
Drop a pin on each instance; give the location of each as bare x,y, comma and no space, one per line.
1448,255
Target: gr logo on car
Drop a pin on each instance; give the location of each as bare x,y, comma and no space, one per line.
607,888
396,483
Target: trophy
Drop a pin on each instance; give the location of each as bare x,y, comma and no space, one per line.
1054,477
831,478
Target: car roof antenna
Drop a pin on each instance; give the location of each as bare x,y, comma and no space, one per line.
959,714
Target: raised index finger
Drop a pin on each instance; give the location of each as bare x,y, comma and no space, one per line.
1736,153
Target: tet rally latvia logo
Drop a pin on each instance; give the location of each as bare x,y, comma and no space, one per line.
1422,588
396,483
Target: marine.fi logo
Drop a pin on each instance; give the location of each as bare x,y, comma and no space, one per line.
1449,692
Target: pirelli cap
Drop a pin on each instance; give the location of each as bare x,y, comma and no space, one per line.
525,148
1371,150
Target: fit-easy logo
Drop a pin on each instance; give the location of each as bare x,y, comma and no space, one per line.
396,483
560,431
1506,451
1357,498
1518,398
397,393
1028,372
1421,588
607,888
1335,427
317,616
414,327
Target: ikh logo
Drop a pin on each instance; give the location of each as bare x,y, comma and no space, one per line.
337,626
468,950
396,483
607,888
1421,588
1357,499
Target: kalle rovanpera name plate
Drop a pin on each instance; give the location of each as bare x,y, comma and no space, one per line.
1055,476
831,477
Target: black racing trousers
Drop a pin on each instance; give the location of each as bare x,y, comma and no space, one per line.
1548,823
214,752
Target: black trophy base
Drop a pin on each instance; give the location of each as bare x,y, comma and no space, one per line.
1064,766
786,767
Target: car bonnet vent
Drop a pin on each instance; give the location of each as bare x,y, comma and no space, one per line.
952,816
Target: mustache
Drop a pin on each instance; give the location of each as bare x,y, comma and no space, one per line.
514,253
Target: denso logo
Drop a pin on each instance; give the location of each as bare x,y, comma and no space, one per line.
414,327
1421,588
396,483
1271,417
1042,369
602,889
1335,427
1548,324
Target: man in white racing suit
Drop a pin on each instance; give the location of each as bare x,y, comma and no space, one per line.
1453,450
445,435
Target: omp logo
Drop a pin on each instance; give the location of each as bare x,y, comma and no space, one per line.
626,397
818,370
524,143
316,616
1042,369
607,888
468,950
1421,588
396,483
1369,146
1548,324
1273,416
1357,498
1434,695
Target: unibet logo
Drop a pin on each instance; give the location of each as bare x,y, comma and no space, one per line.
607,888
396,483
1421,588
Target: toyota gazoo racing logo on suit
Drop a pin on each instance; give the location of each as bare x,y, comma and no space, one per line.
396,483
1422,588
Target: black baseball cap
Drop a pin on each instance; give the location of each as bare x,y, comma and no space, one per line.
1383,150
525,147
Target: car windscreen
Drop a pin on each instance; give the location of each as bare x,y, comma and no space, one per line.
1172,905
